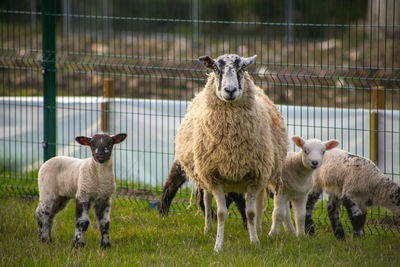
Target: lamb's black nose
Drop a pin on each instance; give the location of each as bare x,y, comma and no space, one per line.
314,163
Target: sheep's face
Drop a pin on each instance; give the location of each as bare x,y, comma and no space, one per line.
101,145
229,73
313,151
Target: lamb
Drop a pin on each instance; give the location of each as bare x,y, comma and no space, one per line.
358,184
296,182
232,139
87,180
177,177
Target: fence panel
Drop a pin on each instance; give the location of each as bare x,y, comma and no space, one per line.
328,65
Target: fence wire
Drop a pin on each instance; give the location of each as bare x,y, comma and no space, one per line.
317,55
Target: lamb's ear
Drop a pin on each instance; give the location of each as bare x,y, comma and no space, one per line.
208,62
298,141
331,144
248,60
83,140
118,138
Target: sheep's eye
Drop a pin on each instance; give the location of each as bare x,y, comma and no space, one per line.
307,152
323,152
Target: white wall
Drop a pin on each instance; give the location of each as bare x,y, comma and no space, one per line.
147,153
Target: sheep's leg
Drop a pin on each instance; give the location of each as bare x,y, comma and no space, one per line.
299,208
176,179
279,213
82,222
207,210
252,197
222,212
260,206
357,217
45,212
102,209
333,207
312,199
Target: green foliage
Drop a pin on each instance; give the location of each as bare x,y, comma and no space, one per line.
140,238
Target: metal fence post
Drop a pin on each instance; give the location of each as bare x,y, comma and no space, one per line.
49,78
378,102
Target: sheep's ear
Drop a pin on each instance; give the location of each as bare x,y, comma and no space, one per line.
118,138
83,140
331,144
208,62
248,60
298,141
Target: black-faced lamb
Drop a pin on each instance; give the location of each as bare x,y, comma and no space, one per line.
177,177
88,181
296,182
356,182
232,139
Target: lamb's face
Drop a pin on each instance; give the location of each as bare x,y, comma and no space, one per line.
101,145
313,151
229,72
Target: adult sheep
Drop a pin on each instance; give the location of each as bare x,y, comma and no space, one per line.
232,139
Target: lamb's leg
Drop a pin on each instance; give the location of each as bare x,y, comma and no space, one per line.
102,209
252,197
299,208
357,217
240,202
82,222
176,179
333,207
207,210
279,213
312,199
222,212
45,212
287,222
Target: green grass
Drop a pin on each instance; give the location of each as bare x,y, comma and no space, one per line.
140,237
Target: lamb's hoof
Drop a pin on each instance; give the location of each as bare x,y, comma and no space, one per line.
45,239
339,234
105,245
79,244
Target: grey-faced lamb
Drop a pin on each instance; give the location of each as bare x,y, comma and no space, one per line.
356,182
232,139
296,182
88,181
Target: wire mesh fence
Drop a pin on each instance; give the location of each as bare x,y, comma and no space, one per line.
328,65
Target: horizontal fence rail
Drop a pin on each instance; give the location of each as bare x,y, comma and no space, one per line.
332,67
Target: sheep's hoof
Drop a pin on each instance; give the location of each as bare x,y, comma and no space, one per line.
218,249
79,244
105,245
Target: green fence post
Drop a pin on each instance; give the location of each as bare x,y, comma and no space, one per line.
49,78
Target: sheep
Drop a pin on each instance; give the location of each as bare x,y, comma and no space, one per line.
296,182
355,181
232,139
86,180
177,177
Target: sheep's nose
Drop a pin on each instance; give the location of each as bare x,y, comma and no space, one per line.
314,162
230,90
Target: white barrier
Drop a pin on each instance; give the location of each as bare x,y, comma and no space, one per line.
147,153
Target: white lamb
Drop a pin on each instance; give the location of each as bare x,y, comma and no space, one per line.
232,139
87,180
358,183
296,182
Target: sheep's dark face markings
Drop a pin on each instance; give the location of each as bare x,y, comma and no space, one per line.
229,73
101,146
395,197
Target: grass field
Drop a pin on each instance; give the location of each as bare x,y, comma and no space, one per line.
140,237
